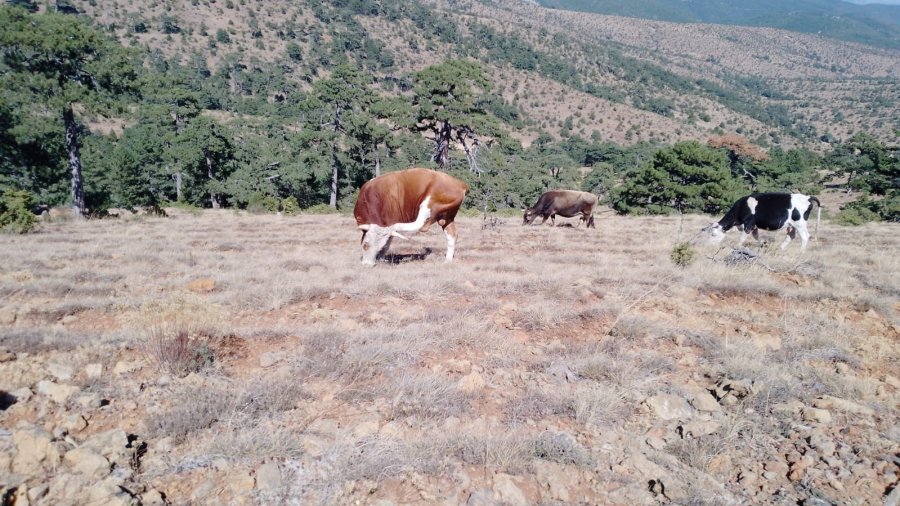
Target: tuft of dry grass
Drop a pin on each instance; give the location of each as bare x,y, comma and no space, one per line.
176,332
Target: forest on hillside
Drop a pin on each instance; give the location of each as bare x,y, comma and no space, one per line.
93,124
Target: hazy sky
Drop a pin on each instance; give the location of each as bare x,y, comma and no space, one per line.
887,2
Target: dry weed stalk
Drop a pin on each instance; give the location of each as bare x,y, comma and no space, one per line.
176,332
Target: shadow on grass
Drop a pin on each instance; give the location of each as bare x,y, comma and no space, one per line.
399,258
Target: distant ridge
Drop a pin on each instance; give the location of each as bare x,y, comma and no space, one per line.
872,24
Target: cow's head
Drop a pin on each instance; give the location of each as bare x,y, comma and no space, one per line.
528,216
715,232
375,241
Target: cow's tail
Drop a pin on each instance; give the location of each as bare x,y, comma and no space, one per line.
818,215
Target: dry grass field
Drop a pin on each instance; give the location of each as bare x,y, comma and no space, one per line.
226,358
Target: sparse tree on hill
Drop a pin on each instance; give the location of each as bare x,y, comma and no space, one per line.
445,106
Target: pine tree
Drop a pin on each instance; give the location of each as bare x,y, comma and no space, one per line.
54,62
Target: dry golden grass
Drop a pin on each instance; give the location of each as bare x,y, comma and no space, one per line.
537,344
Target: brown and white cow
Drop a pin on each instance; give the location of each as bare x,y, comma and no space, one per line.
565,203
406,201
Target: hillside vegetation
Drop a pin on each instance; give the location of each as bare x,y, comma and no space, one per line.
253,104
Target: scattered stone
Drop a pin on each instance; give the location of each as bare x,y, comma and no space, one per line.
777,467
152,497
22,394
697,428
203,489
202,285
124,367
74,423
825,445
269,358
816,415
93,371
669,407
57,392
268,477
112,444
7,315
471,382
240,481
829,402
506,491
893,497
553,478
657,443
798,468
87,462
703,401
6,355
481,497
34,450
91,400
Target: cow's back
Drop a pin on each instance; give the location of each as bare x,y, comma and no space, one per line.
395,197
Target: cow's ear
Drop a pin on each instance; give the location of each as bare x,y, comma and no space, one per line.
365,227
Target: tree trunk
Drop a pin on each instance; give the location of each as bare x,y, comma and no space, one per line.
178,196
377,163
78,204
442,150
332,199
213,196
178,193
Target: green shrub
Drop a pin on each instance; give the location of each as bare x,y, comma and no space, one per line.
320,209
16,215
855,216
259,203
290,206
683,254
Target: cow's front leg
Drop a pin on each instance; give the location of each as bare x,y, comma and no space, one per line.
552,220
450,232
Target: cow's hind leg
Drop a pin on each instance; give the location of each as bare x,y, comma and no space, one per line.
791,232
804,235
450,232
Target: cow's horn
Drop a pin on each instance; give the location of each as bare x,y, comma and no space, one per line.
365,227
394,233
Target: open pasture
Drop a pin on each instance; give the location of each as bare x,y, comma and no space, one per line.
222,358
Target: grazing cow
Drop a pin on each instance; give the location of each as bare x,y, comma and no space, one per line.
565,203
767,211
406,201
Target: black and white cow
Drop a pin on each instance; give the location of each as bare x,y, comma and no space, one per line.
767,211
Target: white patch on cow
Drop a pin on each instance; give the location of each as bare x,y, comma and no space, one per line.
377,238
752,203
415,226
800,202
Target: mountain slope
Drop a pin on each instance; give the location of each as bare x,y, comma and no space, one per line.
622,79
877,25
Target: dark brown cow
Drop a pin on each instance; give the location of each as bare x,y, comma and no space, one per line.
565,203
406,201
